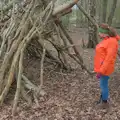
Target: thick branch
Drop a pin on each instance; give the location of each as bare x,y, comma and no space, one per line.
67,11
63,7
18,82
29,85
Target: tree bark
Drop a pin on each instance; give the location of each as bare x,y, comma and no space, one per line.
92,29
110,18
104,11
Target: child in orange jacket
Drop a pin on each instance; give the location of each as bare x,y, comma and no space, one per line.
104,60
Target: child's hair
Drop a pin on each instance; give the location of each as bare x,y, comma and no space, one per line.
111,31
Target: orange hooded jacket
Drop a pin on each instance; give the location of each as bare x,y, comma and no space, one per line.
105,55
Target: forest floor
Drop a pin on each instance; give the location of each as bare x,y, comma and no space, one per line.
69,95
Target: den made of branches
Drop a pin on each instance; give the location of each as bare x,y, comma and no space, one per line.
26,28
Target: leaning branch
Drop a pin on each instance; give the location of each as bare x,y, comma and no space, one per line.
18,82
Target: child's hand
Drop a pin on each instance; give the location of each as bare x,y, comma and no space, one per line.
98,75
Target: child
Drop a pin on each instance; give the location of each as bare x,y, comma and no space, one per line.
104,61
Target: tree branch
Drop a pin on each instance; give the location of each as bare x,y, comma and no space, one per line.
18,82
63,7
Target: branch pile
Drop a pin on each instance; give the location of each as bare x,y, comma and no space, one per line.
27,26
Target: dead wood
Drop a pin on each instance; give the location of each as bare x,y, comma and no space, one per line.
26,24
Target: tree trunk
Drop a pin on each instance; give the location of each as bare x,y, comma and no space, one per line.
104,12
98,11
92,29
78,18
86,8
110,18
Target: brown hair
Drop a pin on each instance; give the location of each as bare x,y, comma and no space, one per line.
111,31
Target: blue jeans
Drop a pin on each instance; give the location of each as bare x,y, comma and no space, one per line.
104,87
